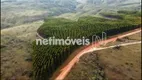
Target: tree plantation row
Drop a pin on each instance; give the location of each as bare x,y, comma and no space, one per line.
46,59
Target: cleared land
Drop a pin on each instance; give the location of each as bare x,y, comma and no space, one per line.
122,63
15,51
132,38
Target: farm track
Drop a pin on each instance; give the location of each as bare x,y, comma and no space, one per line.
65,68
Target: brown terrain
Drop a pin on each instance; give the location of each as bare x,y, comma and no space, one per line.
16,49
123,63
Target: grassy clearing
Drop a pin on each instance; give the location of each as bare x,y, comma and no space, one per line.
15,51
124,63
88,68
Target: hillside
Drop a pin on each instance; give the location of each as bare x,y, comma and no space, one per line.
20,12
109,64
16,51
52,56
17,12
21,20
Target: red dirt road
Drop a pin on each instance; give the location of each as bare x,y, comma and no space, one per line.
66,69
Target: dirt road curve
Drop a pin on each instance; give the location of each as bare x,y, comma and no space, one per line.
66,69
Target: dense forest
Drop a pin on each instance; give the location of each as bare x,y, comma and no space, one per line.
47,58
